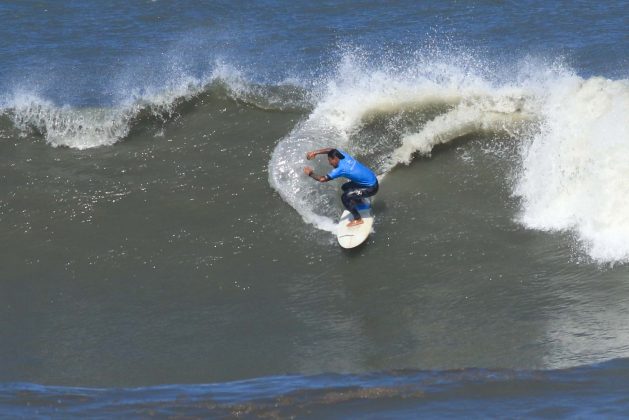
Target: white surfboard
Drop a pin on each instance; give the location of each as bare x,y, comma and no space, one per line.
351,237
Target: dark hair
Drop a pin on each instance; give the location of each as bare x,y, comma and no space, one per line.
335,154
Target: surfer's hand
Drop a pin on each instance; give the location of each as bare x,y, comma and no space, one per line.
308,170
310,155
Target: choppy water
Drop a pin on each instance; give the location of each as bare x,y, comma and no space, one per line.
157,228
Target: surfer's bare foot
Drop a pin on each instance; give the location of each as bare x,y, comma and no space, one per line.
355,222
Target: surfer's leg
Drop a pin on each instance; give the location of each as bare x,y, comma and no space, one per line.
350,201
354,195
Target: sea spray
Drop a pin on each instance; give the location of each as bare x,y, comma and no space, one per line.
65,126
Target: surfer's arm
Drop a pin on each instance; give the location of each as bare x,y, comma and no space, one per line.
311,155
310,172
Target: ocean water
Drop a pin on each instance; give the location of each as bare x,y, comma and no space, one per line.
164,254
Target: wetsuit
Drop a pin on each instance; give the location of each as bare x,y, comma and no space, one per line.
363,182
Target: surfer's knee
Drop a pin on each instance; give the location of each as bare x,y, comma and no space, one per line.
345,199
349,202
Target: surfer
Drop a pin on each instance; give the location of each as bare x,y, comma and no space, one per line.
362,183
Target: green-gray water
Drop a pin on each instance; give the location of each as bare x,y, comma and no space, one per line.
172,260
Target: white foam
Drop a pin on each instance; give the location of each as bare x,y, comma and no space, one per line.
575,169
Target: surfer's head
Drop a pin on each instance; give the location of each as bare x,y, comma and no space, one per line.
334,156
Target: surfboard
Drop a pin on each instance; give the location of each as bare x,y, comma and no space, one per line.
351,237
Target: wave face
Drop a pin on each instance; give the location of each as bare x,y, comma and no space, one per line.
595,390
572,133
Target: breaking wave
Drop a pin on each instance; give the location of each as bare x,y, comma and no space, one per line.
572,134
84,128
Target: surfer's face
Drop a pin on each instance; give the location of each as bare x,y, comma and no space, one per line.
334,161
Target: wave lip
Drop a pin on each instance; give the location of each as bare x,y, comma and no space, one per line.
66,126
